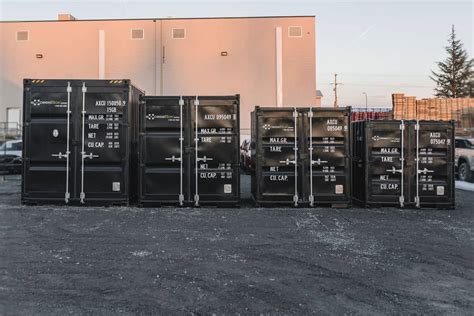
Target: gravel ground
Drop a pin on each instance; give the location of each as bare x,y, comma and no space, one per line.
73,260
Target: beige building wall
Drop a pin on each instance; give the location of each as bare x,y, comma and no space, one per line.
249,56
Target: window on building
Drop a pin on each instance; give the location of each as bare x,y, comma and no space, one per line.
179,33
138,34
295,31
22,35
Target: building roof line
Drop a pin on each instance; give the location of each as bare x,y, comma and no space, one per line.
165,18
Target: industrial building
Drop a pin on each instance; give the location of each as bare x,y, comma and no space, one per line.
269,61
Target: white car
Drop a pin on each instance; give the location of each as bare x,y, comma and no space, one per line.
11,147
10,156
464,158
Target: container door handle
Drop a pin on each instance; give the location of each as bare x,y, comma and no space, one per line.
204,159
288,161
83,154
67,194
295,162
173,158
60,155
393,170
181,139
311,196
318,162
425,171
89,155
196,140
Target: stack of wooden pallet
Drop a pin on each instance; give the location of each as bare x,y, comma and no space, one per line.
422,109
398,101
435,109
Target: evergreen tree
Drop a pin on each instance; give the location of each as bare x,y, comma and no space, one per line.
455,76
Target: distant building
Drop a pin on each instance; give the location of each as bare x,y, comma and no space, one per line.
319,96
269,61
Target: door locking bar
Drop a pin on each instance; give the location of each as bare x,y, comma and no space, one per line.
295,118
401,199
181,139
83,154
311,196
417,197
67,194
196,140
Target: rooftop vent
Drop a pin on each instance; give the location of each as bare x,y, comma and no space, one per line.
66,17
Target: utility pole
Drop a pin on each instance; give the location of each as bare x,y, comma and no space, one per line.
366,106
335,90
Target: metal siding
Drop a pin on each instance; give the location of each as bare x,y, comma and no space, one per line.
193,65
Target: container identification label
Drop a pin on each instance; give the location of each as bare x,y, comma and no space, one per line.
218,117
116,186
103,134
283,140
440,190
279,178
332,126
388,186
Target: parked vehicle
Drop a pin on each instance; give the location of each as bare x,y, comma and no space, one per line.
246,155
464,158
10,156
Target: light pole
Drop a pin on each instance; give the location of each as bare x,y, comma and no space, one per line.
366,107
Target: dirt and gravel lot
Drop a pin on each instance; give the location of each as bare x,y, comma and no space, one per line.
73,260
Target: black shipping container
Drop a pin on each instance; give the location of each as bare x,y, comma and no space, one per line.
78,137
189,150
302,156
403,163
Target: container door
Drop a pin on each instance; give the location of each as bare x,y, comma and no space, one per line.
328,140
103,142
47,148
162,150
433,147
387,168
215,167
279,166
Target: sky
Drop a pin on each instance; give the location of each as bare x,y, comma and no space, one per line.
377,47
